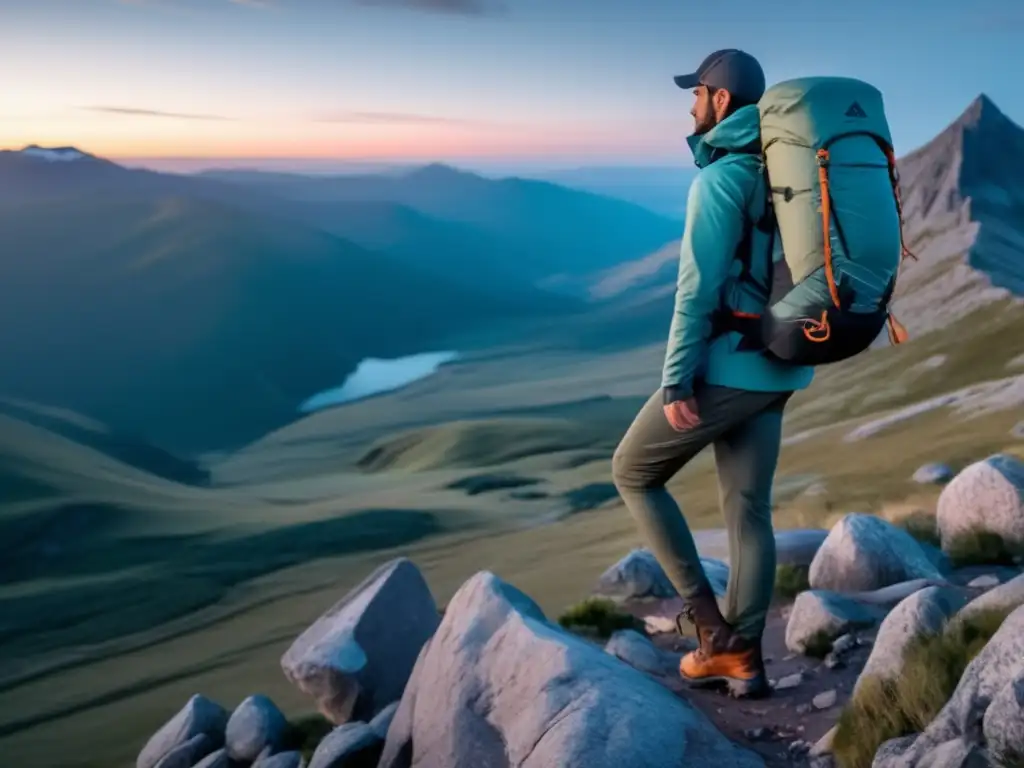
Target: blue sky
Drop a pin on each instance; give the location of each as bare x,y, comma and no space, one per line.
548,82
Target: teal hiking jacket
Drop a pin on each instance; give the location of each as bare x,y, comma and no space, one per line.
727,194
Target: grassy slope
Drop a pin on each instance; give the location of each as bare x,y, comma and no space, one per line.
978,348
74,517
130,449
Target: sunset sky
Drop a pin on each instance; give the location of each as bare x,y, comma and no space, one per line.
549,82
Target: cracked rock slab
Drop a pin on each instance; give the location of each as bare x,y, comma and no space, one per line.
986,496
357,657
923,613
1007,596
257,724
1003,724
821,615
865,552
500,685
639,575
957,732
199,717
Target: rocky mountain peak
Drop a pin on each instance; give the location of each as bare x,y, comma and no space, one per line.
981,148
982,113
963,195
992,173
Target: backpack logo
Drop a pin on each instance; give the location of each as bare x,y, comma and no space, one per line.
856,110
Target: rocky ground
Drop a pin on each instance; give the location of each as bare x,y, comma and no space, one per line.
489,680
804,706
809,693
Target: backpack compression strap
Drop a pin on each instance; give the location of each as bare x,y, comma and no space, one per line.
826,223
897,332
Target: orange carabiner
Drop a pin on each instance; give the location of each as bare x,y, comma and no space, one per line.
818,330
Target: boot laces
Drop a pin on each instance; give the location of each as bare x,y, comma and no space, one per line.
688,613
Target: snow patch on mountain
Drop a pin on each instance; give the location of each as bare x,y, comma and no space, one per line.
54,154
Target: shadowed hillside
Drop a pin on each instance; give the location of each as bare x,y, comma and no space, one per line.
73,517
133,450
236,302
200,325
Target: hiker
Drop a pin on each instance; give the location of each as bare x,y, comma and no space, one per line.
711,392
771,283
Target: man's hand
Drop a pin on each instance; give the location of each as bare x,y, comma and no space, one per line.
682,414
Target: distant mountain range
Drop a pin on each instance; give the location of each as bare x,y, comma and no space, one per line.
199,312
661,189
523,228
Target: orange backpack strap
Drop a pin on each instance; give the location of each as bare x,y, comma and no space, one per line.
826,224
897,332
890,156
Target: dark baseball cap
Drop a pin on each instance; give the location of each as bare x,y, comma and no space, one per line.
734,70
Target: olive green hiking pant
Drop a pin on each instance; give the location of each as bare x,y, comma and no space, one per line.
745,429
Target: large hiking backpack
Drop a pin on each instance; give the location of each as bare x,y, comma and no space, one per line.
834,196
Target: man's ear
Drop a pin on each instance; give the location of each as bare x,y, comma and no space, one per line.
722,99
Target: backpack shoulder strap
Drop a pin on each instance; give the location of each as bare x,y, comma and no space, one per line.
726,319
765,223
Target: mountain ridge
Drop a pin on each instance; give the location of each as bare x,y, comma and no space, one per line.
511,230
547,229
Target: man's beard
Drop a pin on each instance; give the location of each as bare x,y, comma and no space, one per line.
703,126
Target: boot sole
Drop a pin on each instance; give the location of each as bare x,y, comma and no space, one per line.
738,688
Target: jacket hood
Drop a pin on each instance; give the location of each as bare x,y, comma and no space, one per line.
739,131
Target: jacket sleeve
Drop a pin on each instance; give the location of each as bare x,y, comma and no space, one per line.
715,220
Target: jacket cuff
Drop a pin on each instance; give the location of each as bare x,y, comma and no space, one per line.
676,393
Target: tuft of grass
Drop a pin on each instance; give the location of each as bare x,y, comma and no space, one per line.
819,645
305,733
923,526
889,709
976,547
599,617
1015,760
983,548
791,580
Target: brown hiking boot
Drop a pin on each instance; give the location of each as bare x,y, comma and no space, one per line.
722,657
